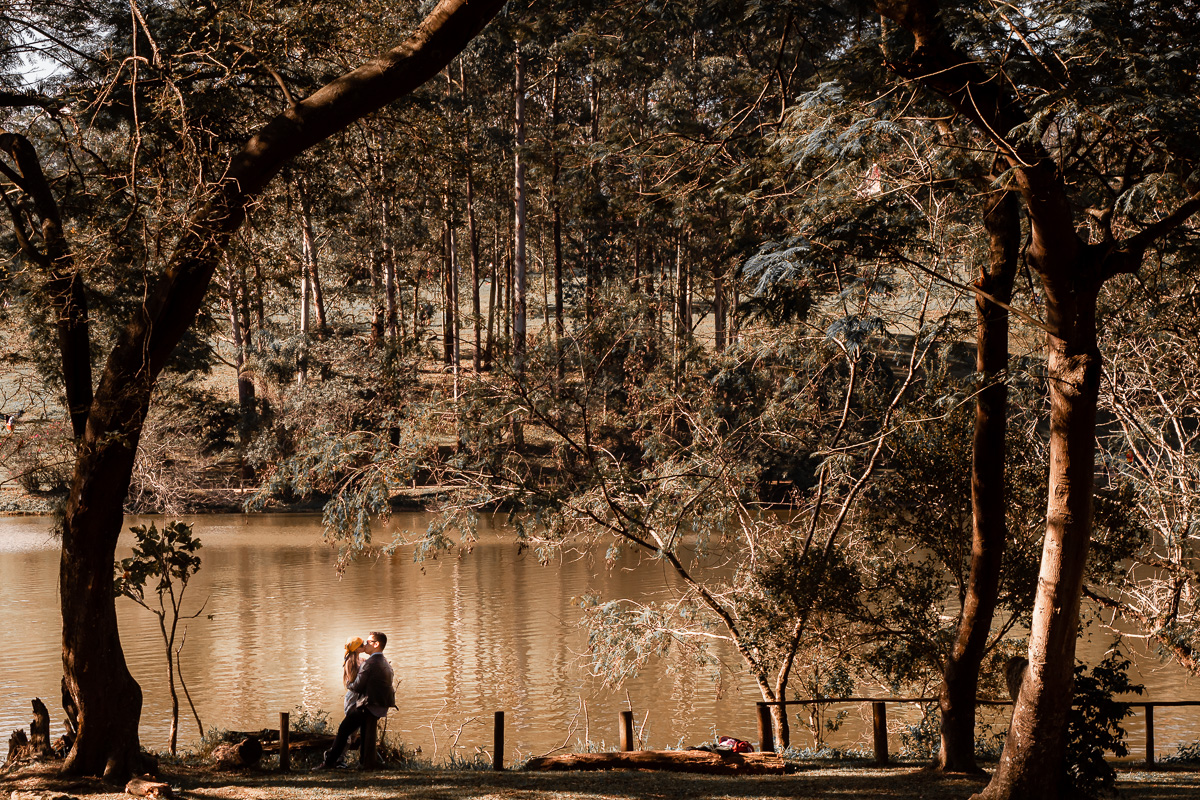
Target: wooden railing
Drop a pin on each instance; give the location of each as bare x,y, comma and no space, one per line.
766,734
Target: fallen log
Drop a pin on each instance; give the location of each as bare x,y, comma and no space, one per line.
301,743
702,761
146,786
245,753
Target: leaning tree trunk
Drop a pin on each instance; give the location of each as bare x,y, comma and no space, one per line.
988,455
108,699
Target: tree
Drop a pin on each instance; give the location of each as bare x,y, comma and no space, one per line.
108,699
1044,119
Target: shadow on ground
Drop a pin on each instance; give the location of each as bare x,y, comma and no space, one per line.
881,784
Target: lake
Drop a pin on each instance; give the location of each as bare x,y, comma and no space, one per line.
469,634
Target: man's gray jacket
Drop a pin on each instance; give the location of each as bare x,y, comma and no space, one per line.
373,684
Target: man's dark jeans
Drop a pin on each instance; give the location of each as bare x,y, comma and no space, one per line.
354,721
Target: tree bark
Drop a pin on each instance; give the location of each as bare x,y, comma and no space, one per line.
988,455
108,698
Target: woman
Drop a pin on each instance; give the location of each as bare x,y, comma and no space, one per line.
350,664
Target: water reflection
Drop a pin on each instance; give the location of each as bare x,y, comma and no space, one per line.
468,635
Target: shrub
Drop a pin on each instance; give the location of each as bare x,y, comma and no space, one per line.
1094,726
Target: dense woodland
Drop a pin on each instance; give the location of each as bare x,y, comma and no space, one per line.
876,322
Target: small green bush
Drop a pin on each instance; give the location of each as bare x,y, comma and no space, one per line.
1094,726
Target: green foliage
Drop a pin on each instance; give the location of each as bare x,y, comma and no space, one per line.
1094,725
166,559
922,740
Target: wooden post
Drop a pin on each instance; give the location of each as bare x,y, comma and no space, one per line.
766,731
369,758
285,738
498,743
626,731
879,720
1149,734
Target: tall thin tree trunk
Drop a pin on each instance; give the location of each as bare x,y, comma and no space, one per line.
377,301
305,295
988,456
719,313
492,289
310,256
391,297
519,217
473,235
592,253
447,280
556,206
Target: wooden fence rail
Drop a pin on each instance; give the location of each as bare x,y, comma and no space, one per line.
766,733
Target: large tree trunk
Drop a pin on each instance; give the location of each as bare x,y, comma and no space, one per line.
989,532
108,699
1032,763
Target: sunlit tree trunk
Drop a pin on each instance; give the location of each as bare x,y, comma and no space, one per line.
310,257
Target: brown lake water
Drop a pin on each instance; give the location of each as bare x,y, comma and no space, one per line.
469,635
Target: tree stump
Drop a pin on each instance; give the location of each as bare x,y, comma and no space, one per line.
39,730
245,753
18,747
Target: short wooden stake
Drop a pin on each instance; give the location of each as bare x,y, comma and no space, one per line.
285,738
498,742
879,720
626,731
1149,734
766,729
369,758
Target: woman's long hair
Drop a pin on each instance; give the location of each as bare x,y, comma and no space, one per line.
350,661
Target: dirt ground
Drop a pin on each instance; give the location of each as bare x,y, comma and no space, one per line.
898,783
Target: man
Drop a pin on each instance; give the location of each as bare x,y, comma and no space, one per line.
373,685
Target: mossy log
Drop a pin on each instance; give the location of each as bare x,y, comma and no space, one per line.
702,761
